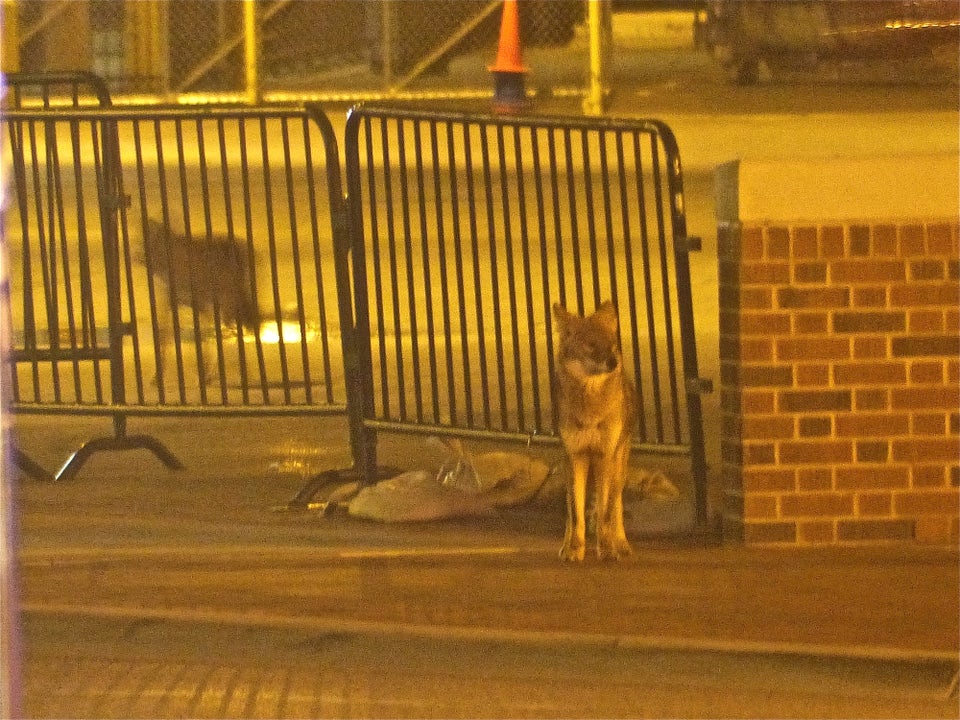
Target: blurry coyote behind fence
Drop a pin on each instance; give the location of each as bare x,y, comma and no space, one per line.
211,275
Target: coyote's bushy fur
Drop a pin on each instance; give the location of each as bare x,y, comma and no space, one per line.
597,410
203,274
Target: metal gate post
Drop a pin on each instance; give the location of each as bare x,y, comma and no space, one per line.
110,202
694,385
358,364
362,441
251,51
598,23
386,50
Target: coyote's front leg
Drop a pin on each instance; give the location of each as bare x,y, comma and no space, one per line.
575,538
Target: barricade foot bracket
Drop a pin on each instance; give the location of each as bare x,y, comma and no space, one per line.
126,442
305,498
30,466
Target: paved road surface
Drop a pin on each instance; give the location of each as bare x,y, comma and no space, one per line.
87,667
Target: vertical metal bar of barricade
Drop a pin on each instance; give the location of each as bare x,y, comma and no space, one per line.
88,321
405,247
480,369
111,200
442,241
426,267
541,232
351,273
493,245
691,372
17,165
663,253
509,213
528,285
338,227
458,252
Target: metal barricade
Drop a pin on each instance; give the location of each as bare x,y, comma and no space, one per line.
465,229
44,91
174,261
203,261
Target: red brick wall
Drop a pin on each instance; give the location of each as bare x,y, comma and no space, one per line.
840,377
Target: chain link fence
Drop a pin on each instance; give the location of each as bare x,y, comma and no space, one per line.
352,50
317,48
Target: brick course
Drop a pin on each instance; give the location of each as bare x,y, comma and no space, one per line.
840,388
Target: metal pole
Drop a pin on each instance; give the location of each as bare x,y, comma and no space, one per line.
597,22
160,17
251,51
387,46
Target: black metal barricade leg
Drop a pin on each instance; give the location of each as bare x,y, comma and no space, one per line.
119,441
30,466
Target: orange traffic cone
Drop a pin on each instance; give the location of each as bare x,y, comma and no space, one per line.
508,70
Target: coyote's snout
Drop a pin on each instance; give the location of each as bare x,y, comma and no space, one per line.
597,409
211,275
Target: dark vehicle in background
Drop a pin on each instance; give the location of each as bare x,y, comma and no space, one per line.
800,33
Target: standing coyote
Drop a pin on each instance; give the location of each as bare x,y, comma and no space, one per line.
203,274
597,409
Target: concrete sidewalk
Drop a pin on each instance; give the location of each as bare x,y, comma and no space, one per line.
880,604
128,537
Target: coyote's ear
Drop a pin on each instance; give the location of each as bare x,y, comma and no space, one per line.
607,314
562,316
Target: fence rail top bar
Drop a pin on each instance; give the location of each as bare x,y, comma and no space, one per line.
565,122
161,112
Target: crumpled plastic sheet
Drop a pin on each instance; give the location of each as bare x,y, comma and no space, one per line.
467,485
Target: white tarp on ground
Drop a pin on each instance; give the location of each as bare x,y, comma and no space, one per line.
468,485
